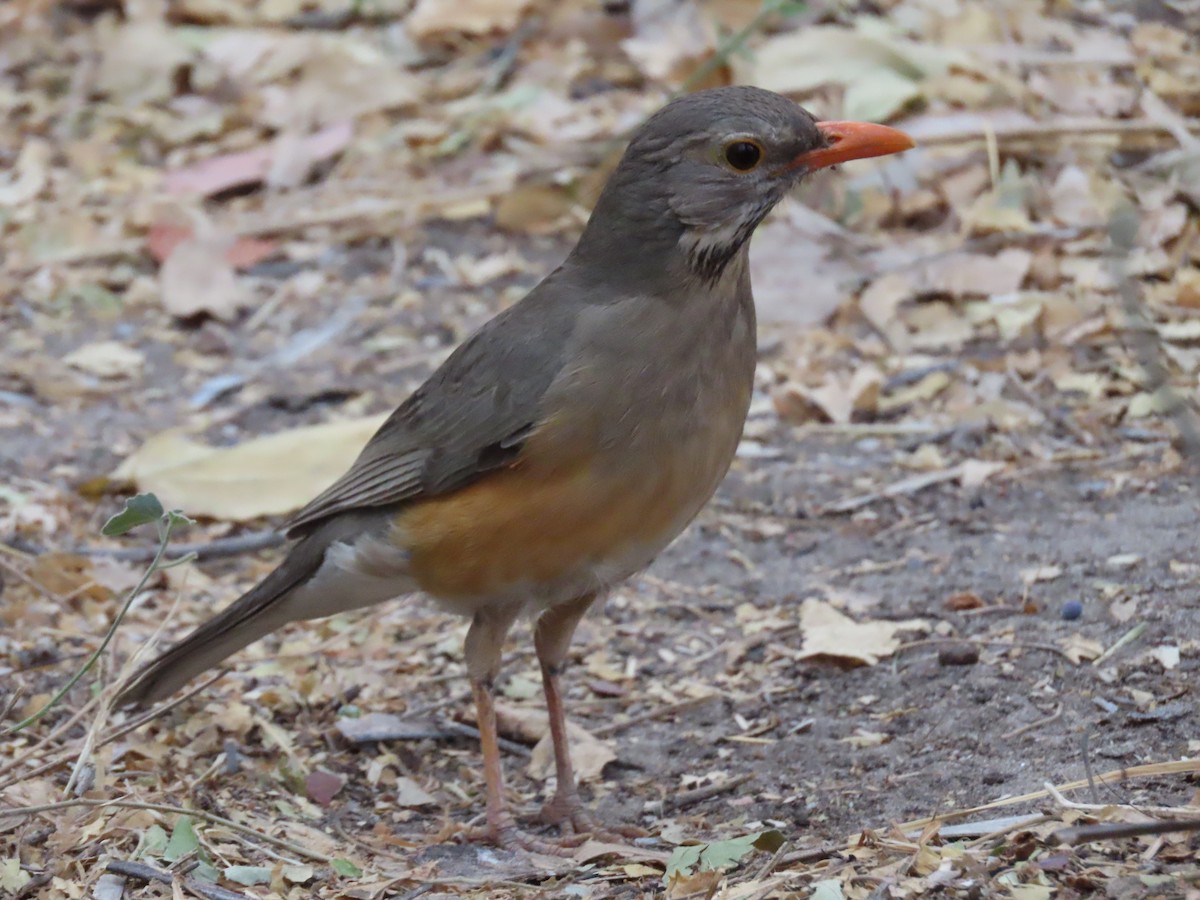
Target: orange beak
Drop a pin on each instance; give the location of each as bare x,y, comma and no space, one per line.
852,140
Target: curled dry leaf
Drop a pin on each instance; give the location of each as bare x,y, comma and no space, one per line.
837,399
1077,648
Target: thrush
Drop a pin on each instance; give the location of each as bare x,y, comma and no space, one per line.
571,438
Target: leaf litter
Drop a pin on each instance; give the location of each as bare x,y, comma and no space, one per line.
273,207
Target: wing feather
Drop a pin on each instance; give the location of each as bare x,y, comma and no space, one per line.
472,416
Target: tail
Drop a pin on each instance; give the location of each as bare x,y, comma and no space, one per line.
256,613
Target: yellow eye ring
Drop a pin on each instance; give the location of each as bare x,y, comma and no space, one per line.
743,154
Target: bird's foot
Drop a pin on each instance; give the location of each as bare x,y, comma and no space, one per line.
565,811
506,835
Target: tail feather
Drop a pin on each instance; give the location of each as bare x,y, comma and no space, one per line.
256,613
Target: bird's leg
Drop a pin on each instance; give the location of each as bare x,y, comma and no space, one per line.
552,638
485,639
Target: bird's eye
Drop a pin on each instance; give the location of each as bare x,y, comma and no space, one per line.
743,154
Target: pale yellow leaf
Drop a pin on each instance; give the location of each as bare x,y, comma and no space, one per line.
269,475
106,359
1078,648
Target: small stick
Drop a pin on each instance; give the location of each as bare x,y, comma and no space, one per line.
1128,637
1082,834
1025,729
1087,767
707,792
771,863
910,485
650,716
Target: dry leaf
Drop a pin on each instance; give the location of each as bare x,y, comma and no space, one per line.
26,179
1038,574
863,738
198,278
107,359
830,634
409,793
666,35
880,70
1078,648
293,155
436,18
287,469
589,754
1166,656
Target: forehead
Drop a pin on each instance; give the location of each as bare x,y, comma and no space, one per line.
734,110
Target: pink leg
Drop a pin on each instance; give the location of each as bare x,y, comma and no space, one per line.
552,638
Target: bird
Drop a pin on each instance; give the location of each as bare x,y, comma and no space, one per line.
568,441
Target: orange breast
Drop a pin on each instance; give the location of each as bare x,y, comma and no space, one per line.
536,528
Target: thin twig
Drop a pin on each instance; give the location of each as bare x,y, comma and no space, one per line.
1041,131
1085,751
1025,729
706,792
1128,637
1082,834
650,716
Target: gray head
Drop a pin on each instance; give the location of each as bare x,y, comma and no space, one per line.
701,174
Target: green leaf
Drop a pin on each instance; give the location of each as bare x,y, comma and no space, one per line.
139,510
681,861
248,875
724,854
154,841
828,889
205,870
720,854
183,840
345,868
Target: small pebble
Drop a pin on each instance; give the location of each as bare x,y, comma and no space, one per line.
1072,610
958,655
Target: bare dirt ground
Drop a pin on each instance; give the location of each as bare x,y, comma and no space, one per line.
955,561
